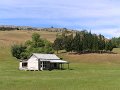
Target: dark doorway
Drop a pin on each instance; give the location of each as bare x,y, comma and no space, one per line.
55,65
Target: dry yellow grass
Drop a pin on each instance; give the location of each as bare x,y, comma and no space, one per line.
7,38
92,58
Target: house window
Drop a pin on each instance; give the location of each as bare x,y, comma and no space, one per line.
44,64
24,64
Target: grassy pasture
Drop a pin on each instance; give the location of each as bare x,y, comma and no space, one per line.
88,71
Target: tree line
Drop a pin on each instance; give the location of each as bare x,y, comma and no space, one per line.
82,42
8,28
79,42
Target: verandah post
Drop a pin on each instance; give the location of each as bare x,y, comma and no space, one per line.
68,65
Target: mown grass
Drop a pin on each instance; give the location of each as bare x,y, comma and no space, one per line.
87,72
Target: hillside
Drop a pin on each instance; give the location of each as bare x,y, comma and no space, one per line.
87,72
7,38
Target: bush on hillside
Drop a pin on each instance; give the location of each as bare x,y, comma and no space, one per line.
36,45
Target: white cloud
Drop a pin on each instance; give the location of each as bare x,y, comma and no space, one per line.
108,32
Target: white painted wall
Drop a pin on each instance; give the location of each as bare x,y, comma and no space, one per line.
33,63
20,65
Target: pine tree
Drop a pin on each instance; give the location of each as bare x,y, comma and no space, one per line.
90,42
101,42
95,43
58,44
109,46
84,40
77,44
69,43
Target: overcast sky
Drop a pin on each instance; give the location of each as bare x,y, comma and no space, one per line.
99,16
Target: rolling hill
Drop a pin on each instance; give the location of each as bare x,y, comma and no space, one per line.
87,72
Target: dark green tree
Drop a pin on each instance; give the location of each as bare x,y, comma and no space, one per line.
69,43
84,40
90,42
37,41
109,46
17,50
95,43
58,44
77,44
101,42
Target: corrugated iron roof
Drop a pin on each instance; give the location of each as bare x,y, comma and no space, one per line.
46,56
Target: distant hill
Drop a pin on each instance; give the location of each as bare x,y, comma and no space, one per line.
52,29
12,27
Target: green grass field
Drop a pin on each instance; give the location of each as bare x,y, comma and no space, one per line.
87,72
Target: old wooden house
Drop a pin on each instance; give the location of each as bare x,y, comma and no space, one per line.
41,62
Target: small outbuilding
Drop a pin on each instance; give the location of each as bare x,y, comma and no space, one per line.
41,62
